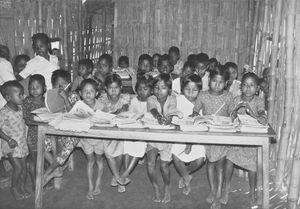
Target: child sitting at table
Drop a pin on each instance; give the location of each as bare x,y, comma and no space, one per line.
13,134
188,153
123,62
85,69
103,68
245,157
61,80
159,105
145,65
138,105
176,63
215,101
35,100
165,67
233,85
202,66
188,69
155,58
93,148
115,102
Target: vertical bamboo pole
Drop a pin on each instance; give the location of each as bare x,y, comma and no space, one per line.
40,21
288,109
263,38
65,29
295,178
254,30
80,34
275,38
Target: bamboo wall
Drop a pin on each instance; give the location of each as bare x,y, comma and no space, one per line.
220,28
277,45
57,18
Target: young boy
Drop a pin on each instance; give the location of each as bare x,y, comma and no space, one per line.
202,62
85,69
19,65
177,64
13,134
165,67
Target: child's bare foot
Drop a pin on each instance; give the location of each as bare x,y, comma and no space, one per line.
58,172
121,189
97,190
167,195
123,181
156,197
89,195
181,183
215,205
187,185
141,161
17,195
210,198
114,182
224,197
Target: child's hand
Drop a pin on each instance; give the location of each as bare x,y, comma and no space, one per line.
63,94
188,149
12,143
167,120
262,120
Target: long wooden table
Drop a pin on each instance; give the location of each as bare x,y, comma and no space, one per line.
260,140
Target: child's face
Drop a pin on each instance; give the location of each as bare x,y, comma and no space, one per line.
187,71
145,66
155,61
191,91
233,74
41,48
20,66
249,87
161,90
36,89
104,67
83,70
88,93
114,90
266,75
201,69
61,84
174,57
123,65
217,84
15,96
165,67
143,92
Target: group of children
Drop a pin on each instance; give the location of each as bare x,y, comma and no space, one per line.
162,84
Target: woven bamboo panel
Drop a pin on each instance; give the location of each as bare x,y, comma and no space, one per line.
217,27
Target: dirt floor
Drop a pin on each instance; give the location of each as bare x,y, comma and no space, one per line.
137,196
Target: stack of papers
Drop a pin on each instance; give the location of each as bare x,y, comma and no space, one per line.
216,123
126,118
72,124
43,115
150,122
251,125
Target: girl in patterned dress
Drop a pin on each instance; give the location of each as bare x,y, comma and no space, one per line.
35,100
114,102
61,80
193,154
13,135
210,102
245,157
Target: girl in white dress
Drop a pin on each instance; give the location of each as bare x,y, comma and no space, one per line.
188,153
